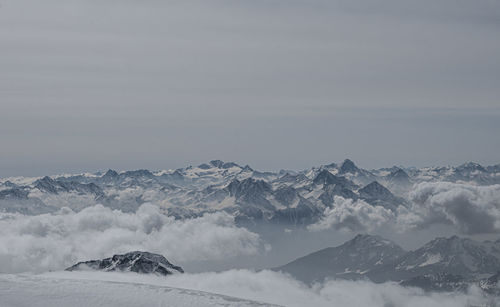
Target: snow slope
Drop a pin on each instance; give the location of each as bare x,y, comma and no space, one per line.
53,291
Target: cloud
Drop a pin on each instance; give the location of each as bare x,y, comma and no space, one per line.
468,208
353,215
472,209
55,241
276,288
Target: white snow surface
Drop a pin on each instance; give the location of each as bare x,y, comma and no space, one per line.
263,288
431,259
60,290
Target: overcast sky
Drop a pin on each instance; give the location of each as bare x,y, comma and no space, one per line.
92,85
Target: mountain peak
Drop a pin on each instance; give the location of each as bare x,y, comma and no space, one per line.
139,262
204,166
47,184
331,165
399,174
351,260
454,242
222,164
366,240
457,255
247,168
375,189
248,186
110,174
217,163
348,167
471,166
325,177
46,179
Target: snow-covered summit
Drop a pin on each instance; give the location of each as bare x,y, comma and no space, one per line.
139,262
296,197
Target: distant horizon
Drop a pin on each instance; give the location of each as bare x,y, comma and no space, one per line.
339,163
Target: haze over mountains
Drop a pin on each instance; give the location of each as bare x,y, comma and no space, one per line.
287,197
222,212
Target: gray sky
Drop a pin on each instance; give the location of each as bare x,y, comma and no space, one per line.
90,85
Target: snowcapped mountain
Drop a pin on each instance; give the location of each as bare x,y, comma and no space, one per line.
460,256
287,197
139,262
350,260
378,195
358,175
467,172
442,264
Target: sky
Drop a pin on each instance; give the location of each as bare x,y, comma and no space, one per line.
88,85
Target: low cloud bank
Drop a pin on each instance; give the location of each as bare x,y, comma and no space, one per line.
471,209
55,241
276,288
352,215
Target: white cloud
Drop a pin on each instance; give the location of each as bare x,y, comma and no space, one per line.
55,241
352,215
472,209
468,208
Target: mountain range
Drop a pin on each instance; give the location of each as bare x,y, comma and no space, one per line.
443,264
286,197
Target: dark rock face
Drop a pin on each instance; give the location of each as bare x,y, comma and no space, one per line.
251,191
51,186
327,197
375,191
222,164
350,260
286,195
445,282
139,262
378,195
303,214
491,285
14,193
399,177
326,178
437,282
453,255
443,264
348,167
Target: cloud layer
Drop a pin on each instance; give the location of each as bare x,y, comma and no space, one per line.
352,215
468,208
471,209
55,241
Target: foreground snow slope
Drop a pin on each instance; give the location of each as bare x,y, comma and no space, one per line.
76,289
46,291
